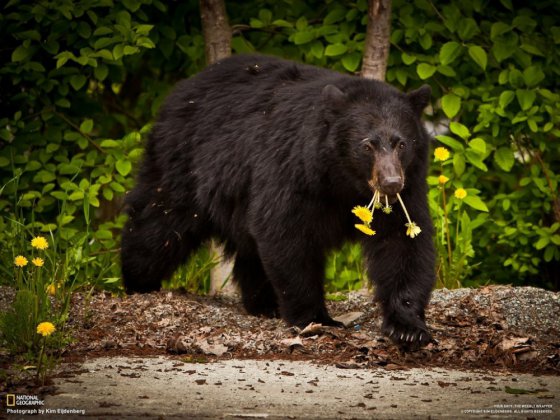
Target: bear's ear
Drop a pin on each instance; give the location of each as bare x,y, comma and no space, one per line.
420,98
333,96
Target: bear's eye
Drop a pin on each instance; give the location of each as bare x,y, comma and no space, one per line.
402,145
366,144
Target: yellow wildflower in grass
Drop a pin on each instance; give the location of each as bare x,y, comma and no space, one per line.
460,193
442,179
39,242
363,213
412,229
45,329
441,153
51,289
20,261
365,229
38,262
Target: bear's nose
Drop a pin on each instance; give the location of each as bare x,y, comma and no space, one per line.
391,185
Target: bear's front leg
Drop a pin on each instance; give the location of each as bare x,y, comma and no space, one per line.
402,269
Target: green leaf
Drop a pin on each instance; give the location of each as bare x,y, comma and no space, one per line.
425,70
303,37
533,75
351,61
334,16
86,126
408,59
467,29
130,50
118,51
502,50
479,56
123,166
451,142
475,202
478,145
317,49
449,52
333,50
504,158
107,144
459,129
21,53
101,72
4,161
475,159
505,98
77,81
451,105
498,29
459,164
525,98
132,5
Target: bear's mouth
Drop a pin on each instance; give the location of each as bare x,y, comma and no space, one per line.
383,198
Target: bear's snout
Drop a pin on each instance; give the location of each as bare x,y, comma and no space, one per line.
391,185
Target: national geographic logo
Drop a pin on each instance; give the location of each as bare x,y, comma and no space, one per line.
19,400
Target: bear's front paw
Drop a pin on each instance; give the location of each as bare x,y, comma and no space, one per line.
407,336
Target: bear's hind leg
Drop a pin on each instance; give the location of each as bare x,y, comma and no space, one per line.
257,293
296,274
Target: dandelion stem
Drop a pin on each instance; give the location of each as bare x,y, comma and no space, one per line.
375,194
404,208
386,201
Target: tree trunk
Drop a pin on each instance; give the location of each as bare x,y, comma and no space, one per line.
216,30
376,49
217,40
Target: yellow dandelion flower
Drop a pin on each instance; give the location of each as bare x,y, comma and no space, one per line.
412,229
45,329
365,229
39,242
442,179
38,262
460,193
441,153
20,261
51,289
363,213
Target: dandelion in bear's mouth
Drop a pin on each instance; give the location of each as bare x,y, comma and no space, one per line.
365,229
387,209
365,214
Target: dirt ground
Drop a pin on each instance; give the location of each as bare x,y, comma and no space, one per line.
492,331
495,328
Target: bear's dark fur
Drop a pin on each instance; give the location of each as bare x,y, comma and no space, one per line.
270,157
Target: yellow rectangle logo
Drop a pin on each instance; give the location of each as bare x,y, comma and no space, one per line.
10,400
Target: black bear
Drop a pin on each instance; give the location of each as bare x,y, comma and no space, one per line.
270,157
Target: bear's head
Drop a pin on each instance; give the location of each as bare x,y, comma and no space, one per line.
378,133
